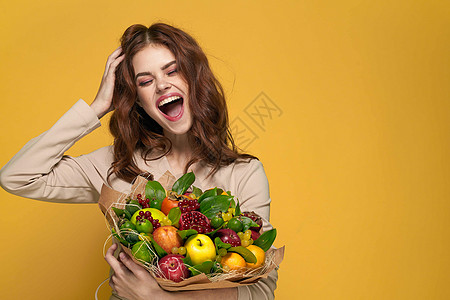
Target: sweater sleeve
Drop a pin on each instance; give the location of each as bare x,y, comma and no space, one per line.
41,171
253,193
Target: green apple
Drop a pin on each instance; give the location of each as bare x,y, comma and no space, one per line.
200,248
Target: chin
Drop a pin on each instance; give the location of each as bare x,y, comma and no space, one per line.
182,130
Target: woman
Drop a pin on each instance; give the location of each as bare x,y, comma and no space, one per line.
169,113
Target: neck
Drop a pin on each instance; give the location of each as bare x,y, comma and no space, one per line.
181,150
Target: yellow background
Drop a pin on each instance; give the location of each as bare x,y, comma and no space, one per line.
358,162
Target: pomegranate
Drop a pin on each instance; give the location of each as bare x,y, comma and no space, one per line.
195,220
188,205
256,218
229,236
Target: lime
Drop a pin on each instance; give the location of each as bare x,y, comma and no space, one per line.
156,204
216,221
235,224
141,251
128,231
144,226
128,225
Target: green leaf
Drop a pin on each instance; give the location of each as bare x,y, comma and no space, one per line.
174,215
247,222
214,204
212,233
155,191
119,212
184,234
133,206
232,203
131,236
122,213
219,244
159,251
119,238
245,253
204,267
196,191
207,194
183,183
266,239
217,268
187,260
237,210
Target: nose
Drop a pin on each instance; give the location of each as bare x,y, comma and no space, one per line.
162,85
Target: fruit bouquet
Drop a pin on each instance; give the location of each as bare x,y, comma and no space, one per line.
189,239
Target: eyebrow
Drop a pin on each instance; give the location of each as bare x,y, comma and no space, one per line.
149,73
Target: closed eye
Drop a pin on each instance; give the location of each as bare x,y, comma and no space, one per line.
172,72
144,83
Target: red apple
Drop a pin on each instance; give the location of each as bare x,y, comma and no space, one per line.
256,218
255,235
167,237
173,268
229,236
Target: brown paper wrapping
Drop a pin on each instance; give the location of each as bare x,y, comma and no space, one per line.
110,197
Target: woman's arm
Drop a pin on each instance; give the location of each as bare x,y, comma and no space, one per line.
41,171
253,195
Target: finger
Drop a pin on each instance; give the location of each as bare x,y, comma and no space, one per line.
117,51
112,57
111,260
112,248
130,264
111,282
113,66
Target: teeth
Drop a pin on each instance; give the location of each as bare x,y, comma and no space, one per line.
168,100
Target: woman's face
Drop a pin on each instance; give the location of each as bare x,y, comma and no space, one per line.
162,91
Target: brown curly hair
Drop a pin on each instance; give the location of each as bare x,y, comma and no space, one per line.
133,129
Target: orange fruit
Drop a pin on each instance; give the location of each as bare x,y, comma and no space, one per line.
168,204
260,256
233,260
172,200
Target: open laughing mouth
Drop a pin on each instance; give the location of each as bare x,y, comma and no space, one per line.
171,107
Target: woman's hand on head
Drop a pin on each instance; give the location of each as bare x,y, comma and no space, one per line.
102,103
